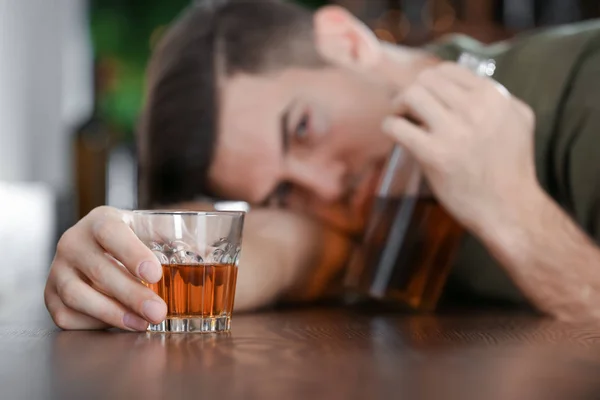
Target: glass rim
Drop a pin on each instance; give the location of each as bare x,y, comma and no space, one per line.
191,213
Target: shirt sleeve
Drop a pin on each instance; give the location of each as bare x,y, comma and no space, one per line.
574,158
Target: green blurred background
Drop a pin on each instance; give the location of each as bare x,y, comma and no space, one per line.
123,34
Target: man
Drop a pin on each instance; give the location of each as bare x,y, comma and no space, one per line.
262,101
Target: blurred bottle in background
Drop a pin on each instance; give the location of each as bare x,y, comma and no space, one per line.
92,143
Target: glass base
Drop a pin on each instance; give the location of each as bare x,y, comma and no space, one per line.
193,324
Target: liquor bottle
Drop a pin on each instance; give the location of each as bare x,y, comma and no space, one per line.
410,242
92,141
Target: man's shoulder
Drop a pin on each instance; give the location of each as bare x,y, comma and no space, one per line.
450,46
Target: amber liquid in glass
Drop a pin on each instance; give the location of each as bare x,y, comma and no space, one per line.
193,291
421,261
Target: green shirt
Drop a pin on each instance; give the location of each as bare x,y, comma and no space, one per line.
557,72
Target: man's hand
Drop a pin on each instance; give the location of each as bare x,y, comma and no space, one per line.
474,143
94,278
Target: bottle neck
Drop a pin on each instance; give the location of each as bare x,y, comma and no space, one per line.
481,66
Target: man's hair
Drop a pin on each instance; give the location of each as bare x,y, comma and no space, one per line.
210,40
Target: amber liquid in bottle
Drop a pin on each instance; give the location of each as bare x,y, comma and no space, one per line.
406,259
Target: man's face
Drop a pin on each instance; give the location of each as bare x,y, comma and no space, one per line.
307,139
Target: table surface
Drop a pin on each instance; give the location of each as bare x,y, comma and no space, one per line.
325,353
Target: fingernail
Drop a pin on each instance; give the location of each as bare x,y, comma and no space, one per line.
150,272
154,311
134,322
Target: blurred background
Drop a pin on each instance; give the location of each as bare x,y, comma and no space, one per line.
71,87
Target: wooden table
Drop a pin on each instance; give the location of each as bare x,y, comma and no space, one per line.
301,354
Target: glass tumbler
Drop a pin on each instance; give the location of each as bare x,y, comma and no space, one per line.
199,253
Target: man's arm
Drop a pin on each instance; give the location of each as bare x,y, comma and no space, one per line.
548,253
287,256
554,263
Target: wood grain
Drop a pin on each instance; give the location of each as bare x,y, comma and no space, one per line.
297,354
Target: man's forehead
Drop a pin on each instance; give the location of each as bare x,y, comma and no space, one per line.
248,155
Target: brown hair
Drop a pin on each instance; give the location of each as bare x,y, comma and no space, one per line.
212,39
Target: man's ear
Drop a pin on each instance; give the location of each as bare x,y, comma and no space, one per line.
344,40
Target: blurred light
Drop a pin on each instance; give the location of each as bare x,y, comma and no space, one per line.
403,28
395,23
490,69
444,18
385,35
232,206
444,23
156,36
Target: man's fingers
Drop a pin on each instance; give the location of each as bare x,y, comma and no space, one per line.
410,136
468,80
459,75
524,111
419,103
111,279
68,319
449,93
117,239
79,296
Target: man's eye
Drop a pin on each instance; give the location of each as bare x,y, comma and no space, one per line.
301,132
280,195
283,191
